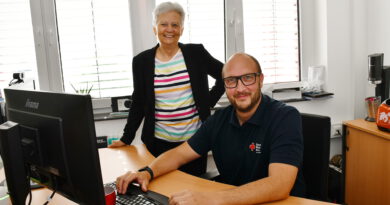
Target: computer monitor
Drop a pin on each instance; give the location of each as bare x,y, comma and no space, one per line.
50,138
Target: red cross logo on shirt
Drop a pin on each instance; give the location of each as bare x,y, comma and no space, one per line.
252,146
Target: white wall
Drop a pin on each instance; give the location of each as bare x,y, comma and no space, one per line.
378,27
359,56
326,26
326,40
339,35
378,31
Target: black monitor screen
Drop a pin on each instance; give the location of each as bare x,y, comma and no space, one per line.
55,134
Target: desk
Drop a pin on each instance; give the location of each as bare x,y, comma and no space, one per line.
367,163
115,162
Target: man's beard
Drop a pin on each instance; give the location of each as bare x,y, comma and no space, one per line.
254,101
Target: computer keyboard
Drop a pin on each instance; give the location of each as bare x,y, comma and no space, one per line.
135,195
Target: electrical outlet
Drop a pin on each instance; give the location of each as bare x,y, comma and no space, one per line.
336,130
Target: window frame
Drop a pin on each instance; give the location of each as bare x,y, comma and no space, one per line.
44,22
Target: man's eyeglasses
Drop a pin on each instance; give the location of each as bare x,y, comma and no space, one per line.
247,79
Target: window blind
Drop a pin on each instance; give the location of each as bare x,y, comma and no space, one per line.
95,46
17,52
271,35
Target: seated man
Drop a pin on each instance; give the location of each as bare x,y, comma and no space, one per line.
256,142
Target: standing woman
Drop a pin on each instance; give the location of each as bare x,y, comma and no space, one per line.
171,91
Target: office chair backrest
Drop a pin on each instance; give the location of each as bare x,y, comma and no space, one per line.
316,137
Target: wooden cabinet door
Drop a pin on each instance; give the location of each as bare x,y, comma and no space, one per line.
367,179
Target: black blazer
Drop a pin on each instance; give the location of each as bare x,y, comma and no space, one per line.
199,65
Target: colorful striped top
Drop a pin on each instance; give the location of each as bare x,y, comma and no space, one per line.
177,118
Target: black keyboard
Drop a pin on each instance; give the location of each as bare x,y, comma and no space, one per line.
134,195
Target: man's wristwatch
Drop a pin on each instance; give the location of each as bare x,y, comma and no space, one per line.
148,169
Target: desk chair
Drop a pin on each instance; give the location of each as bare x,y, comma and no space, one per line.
316,139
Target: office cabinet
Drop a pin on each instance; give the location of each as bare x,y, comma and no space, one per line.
367,163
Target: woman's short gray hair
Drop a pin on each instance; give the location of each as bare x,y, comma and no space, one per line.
167,7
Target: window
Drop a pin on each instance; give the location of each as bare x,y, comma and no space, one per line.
17,53
271,36
95,46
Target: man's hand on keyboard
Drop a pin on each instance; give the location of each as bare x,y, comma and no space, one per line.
141,178
188,197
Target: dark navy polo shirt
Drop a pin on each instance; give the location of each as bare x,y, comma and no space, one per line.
242,153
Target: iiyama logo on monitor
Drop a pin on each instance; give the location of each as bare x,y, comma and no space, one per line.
31,104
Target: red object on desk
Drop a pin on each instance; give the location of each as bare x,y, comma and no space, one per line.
110,195
383,116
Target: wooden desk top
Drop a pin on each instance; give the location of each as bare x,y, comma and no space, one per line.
115,162
369,127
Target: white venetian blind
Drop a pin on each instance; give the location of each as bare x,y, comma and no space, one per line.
204,23
95,46
271,35
17,52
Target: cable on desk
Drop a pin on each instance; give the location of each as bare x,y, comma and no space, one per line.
30,193
54,191
50,197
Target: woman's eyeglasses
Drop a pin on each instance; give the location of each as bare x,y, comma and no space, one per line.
247,79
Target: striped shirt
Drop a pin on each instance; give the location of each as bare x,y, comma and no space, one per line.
177,118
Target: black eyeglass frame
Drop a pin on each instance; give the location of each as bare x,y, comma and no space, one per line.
240,78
